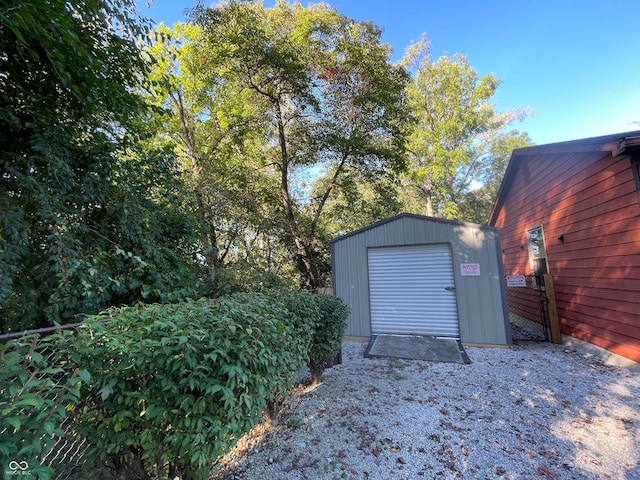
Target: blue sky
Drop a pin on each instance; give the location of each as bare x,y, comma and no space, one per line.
575,63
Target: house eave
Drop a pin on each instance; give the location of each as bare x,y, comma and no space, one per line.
615,144
630,144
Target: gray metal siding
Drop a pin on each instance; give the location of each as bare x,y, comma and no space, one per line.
480,300
350,283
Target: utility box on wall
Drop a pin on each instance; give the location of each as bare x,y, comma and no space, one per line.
412,274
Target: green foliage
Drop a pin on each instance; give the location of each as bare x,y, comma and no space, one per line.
215,132
175,384
330,326
358,202
476,204
164,389
87,219
35,394
290,348
328,97
456,122
243,276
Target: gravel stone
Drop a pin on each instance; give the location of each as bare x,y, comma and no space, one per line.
536,411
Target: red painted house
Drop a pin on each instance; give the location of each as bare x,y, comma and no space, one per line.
572,209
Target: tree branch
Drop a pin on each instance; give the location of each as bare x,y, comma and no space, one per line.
325,196
176,97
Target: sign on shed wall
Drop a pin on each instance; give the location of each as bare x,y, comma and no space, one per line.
470,269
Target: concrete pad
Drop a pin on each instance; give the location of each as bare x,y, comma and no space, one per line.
417,347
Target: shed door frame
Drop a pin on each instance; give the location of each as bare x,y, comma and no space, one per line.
412,290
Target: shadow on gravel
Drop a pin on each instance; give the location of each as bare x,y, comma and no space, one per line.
589,410
535,411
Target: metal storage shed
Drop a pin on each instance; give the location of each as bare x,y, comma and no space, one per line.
412,274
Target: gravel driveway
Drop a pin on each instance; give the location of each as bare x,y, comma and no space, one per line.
535,411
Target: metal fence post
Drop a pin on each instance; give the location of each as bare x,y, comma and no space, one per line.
556,336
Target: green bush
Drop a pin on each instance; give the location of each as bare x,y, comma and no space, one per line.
35,395
330,326
163,390
176,385
303,313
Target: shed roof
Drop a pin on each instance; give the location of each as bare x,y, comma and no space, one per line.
412,216
614,144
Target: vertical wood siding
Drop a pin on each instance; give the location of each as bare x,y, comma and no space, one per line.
591,200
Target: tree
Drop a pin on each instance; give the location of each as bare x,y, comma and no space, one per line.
456,124
214,131
476,204
356,202
359,201
330,95
87,219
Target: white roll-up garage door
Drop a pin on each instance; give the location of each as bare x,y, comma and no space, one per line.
412,291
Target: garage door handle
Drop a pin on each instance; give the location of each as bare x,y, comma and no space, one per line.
449,289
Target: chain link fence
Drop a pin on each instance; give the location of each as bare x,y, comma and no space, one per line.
49,373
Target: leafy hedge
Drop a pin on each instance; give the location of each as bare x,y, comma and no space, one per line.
163,390
329,330
36,390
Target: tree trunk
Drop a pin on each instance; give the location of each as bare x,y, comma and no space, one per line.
303,247
428,198
208,240
208,237
325,196
429,206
